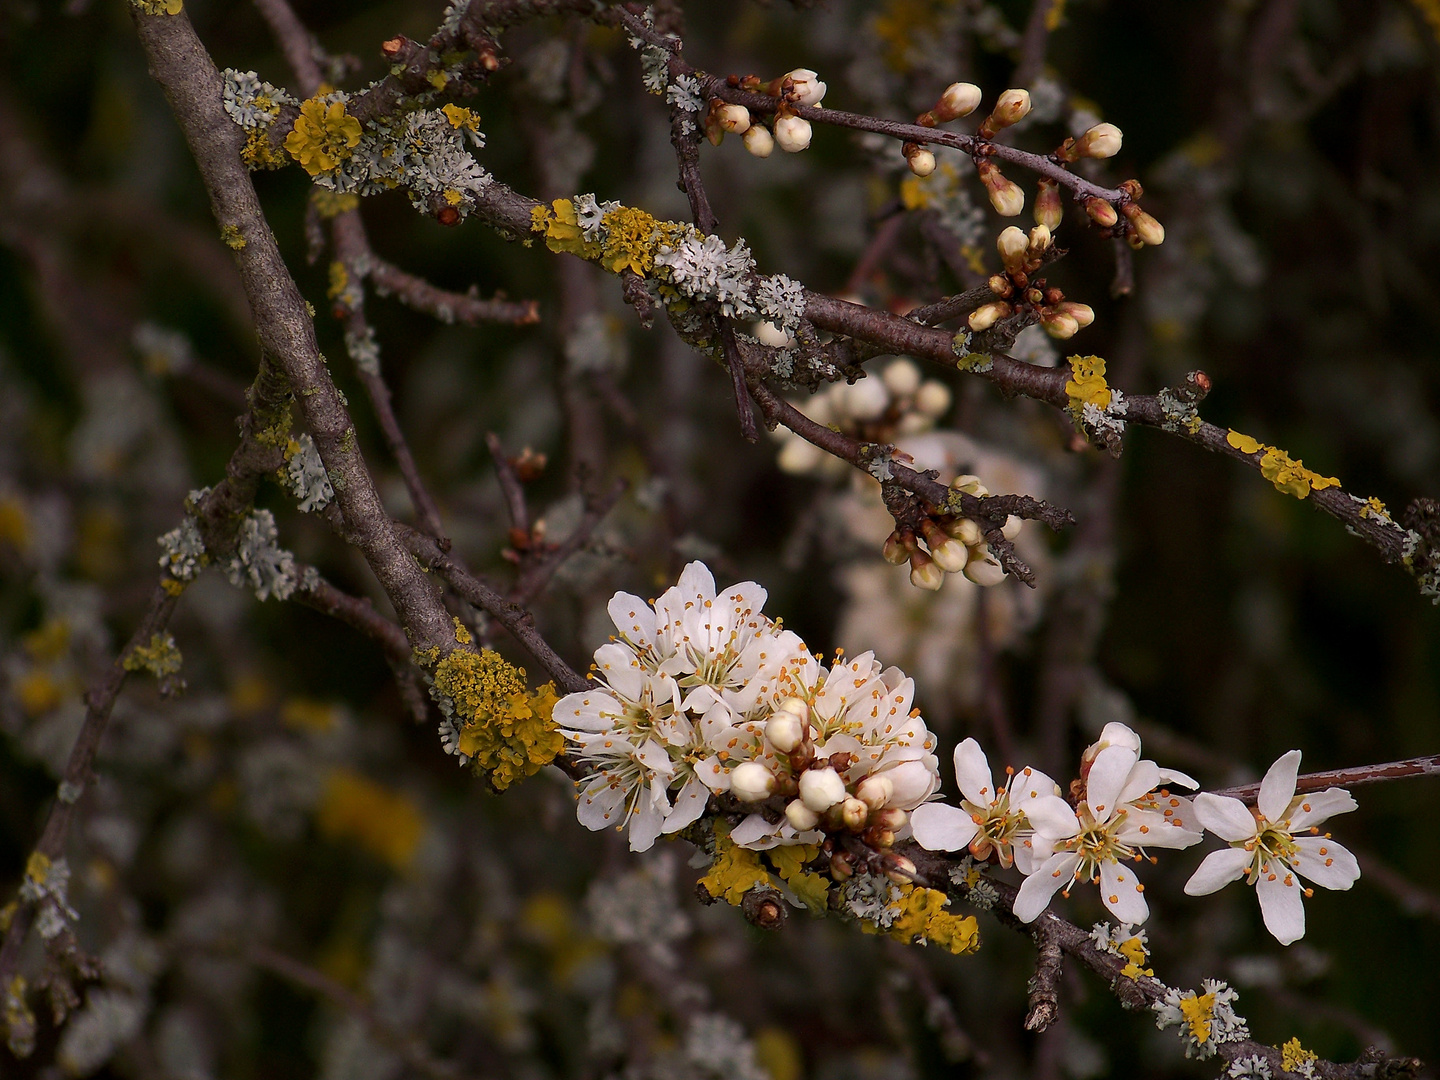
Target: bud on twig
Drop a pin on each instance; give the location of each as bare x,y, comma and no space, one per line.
959,99
792,133
1146,227
1012,107
1101,212
1048,211
987,315
759,141
1005,196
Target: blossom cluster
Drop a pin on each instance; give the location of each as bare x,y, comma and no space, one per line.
702,694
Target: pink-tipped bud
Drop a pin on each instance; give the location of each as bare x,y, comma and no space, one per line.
1146,227
1101,212
1101,141
898,546
1013,246
1000,285
875,792
949,554
842,866
1059,326
987,315
792,133
854,814
1005,196
750,781
1048,211
959,99
892,818
733,118
1011,107
900,869
759,141
1083,314
924,573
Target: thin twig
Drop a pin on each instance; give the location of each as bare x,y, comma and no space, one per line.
1347,778
510,485
538,574
1044,985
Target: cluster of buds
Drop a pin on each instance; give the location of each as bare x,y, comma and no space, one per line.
819,791
791,133
952,545
1016,290
900,402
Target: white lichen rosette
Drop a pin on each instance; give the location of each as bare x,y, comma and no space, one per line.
1121,815
989,820
1265,850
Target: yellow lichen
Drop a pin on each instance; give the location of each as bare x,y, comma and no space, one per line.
735,871
509,731
383,822
1198,1012
173,586
160,7
160,657
232,237
1244,443
339,281
562,231
812,888
922,915
1288,474
1134,952
462,633
461,118
260,153
1087,385
323,136
1294,1057
329,204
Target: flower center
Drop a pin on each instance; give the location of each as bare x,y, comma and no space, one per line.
1095,843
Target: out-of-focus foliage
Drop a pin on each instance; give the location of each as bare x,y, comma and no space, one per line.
287,803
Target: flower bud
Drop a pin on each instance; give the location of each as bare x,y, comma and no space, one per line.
933,399
983,568
875,792
1101,141
1000,285
1012,527
792,133
966,531
1005,196
950,555
1012,107
800,816
785,731
795,706
1040,241
896,550
865,399
713,131
842,866
900,869
821,789
924,573
1048,211
901,377
959,99
854,814
806,89
798,457
1146,227
922,162
759,141
970,484
987,315
750,781
1083,314
1059,326
892,818
1101,212
733,118
1012,245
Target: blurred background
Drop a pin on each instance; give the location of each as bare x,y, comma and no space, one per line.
288,810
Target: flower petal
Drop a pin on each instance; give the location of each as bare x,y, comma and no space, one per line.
689,805
1320,806
1120,891
646,823
1028,784
1118,734
633,617
1145,776
940,827
1326,863
1218,869
601,804
1036,890
972,771
1175,776
1227,818
1280,904
754,831
1108,773
1051,817
1278,787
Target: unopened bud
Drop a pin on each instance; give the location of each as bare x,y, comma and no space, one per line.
901,377
800,816
1005,196
1083,314
924,573
949,554
987,315
842,866
896,550
875,791
751,781
733,118
891,818
1101,212
959,99
854,814
933,399
713,131
806,88
1059,326
899,869
821,789
1039,241
792,133
1145,226
865,399
966,531
759,141
970,484
983,568
1012,527
922,162
795,706
1012,245
785,731
1012,107
1000,285
1048,211
1101,141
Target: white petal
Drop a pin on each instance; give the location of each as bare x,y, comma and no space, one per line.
1175,776
940,827
1227,818
1318,807
1145,776
1151,828
588,710
689,805
1030,784
1118,734
645,824
1218,869
633,617
1278,787
1108,773
657,759
1326,863
600,805
914,782
1120,892
1051,817
620,668
754,831
1030,852
713,774
1280,904
1036,890
972,771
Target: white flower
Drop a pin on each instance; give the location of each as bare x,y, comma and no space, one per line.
988,818
1264,849
807,87
1120,816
